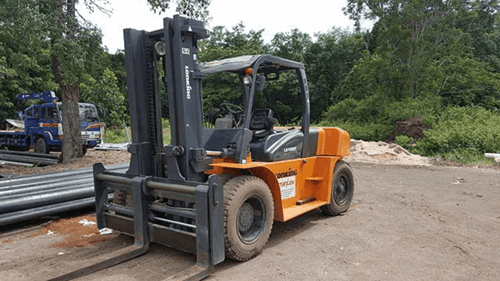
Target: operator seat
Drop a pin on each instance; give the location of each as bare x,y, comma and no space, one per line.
262,122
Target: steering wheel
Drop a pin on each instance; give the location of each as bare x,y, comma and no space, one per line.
234,110
231,108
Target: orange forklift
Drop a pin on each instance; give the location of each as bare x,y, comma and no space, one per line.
214,190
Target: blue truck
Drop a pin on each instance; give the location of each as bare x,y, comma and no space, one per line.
40,125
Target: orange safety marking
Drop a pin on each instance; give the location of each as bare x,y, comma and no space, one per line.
49,125
93,126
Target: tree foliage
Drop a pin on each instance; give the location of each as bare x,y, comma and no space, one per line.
461,134
328,61
291,45
423,46
25,59
424,58
196,9
104,91
421,58
222,44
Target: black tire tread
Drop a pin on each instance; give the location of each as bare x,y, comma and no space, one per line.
225,178
231,189
46,148
332,209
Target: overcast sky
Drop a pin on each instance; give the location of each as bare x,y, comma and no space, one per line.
309,16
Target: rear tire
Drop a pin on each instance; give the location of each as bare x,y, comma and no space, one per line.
41,146
248,217
342,190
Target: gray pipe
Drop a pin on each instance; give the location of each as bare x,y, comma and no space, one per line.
28,202
29,187
45,191
21,153
6,183
28,159
36,179
54,209
492,155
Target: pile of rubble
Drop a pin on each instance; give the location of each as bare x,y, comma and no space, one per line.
384,153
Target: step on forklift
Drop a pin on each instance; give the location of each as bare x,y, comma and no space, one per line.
213,191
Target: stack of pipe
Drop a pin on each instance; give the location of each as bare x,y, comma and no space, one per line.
39,159
31,197
495,156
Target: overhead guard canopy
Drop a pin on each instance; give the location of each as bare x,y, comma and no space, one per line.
267,64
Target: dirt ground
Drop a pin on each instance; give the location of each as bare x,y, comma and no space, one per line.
407,222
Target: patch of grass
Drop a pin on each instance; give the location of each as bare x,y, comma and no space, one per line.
462,134
120,136
114,136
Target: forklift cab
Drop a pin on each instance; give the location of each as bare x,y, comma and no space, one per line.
261,138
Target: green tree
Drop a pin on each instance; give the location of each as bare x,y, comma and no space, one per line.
327,61
282,95
291,45
480,20
418,44
25,61
104,92
44,46
196,9
72,44
5,103
222,44
464,81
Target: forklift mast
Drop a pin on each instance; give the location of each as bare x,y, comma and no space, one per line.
176,48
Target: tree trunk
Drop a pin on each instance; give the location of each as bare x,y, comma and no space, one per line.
72,142
70,95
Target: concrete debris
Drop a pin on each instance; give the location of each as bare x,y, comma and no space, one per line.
384,153
105,231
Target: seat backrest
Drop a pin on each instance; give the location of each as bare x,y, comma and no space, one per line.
262,122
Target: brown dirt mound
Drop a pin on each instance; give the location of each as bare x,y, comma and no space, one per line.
411,127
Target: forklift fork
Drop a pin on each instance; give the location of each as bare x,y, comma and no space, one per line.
208,228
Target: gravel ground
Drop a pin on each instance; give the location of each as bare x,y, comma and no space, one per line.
410,220
406,223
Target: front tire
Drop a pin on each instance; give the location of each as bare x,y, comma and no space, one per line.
342,190
248,217
84,151
41,146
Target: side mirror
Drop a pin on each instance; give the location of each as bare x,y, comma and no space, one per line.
259,83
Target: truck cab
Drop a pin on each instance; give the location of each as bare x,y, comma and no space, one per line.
90,124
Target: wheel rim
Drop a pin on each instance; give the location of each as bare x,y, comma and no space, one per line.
341,190
251,219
